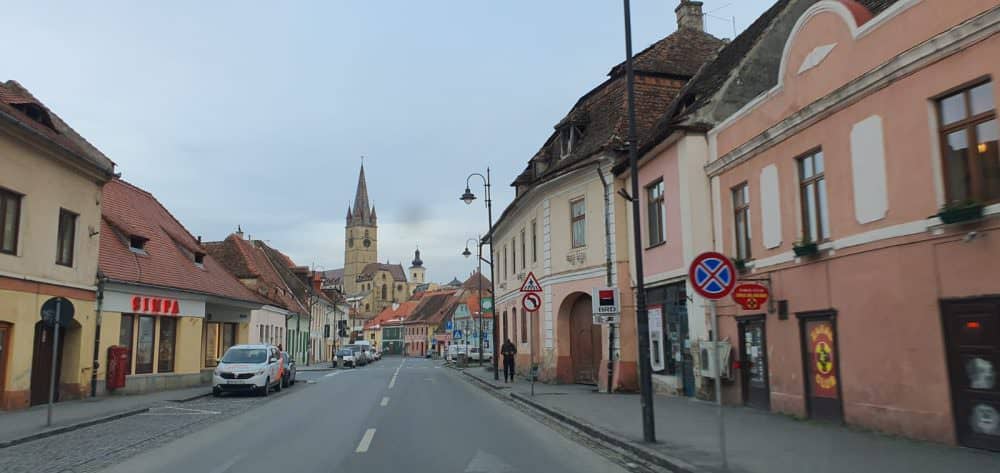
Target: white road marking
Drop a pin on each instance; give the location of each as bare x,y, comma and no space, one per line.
366,441
229,464
335,373
385,401
176,411
392,382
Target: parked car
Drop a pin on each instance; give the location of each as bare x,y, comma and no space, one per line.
360,358
474,354
289,372
376,355
454,351
248,368
345,358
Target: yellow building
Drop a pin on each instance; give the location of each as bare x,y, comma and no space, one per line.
175,308
50,210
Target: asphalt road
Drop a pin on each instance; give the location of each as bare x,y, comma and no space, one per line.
394,415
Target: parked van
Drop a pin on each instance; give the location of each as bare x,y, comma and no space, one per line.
248,368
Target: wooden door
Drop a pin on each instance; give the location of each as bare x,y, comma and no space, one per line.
972,340
4,344
585,343
822,366
41,363
753,364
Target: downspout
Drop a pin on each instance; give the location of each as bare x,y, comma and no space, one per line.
97,336
608,268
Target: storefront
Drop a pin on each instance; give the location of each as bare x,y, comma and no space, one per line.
670,343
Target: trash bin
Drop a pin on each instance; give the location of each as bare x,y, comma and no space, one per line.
463,360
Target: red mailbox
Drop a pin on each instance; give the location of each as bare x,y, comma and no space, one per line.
118,358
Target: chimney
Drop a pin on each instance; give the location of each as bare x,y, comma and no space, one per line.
239,231
689,15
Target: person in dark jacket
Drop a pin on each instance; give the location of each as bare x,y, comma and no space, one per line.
508,350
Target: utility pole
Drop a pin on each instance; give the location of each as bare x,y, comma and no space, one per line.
642,321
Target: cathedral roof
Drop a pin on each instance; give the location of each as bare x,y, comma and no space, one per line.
362,213
395,270
417,262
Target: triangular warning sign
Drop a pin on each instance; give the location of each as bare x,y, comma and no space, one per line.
531,284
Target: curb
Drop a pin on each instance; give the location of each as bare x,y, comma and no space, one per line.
486,383
192,398
671,464
70,428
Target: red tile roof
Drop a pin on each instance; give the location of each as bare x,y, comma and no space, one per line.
169,250
247,261
401,312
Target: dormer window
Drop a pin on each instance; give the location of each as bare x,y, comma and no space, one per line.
199,259
137,244
37,113
568,137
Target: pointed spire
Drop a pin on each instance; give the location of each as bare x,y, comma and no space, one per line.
349,213
361,207
373,215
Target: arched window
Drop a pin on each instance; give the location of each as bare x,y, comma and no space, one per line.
384,292
367,307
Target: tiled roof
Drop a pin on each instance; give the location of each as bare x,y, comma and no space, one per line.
680,54
335,276
168,260
16,101
395,270
283,266
473,282
245,260
401,312
431,309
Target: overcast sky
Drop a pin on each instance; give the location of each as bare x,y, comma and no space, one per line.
256,114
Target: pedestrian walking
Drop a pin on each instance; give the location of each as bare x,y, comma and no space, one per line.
508,350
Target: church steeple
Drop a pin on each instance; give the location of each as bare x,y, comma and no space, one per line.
362,210
360,238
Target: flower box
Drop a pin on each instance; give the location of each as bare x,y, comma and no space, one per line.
806,248
965,212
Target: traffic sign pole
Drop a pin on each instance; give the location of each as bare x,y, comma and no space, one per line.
718,384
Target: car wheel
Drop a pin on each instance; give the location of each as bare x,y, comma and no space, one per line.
266,390
279,385
284,382
216,392
292,382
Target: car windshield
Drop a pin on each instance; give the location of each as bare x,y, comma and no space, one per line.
245,355
344,352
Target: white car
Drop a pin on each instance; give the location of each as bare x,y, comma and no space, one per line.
345,358
455,350
248,368
474,354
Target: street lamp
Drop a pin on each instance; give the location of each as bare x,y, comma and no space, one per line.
479,274
468,197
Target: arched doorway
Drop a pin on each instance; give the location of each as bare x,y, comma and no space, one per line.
41,363
584,341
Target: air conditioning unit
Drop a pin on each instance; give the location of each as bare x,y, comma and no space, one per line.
707,358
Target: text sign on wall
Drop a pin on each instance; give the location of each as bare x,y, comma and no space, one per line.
605,300
822,359
750,296
155,305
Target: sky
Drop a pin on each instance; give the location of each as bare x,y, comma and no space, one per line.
255,114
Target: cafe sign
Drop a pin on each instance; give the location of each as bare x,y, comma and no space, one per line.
750,296
155,305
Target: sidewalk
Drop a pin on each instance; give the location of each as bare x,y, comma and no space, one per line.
17,425
758,442
324,366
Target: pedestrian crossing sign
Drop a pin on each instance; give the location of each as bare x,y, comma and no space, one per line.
531,284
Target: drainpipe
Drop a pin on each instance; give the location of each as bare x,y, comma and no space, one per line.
608,267
97,336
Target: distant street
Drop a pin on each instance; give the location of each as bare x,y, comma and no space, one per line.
423,419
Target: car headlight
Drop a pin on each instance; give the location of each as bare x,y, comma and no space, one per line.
217,372
260,372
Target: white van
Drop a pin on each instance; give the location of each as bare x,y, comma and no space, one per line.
248,368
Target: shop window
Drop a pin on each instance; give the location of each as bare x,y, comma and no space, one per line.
126,338
969,135
10,216
66,237
168,345
212,332
145,345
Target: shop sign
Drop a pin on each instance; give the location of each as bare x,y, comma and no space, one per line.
155,305
750,296
823,360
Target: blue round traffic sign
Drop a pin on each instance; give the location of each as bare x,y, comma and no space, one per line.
712,275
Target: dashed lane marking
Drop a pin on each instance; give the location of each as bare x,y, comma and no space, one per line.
366,441
385,401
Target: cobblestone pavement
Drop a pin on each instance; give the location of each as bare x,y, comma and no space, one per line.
96,447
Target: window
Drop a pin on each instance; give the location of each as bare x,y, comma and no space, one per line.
504,326
524,326
534,242
505,273
212,332
656,213
578,222
199,259
168,341
513,255
10,216
260,336
567,138
812,187
524,254
137,244
67,234
741,216
126,338
385,292
145,345
969,140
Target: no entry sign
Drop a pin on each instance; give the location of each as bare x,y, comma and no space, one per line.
531,302
712,275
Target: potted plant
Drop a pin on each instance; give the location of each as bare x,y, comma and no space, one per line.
740,265
805,247
965,211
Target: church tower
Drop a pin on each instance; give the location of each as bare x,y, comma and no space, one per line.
361,237
417,269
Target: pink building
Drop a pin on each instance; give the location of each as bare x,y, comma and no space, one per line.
862,186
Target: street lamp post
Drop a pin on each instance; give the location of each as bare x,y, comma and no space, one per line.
468,197
641,315
479,276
